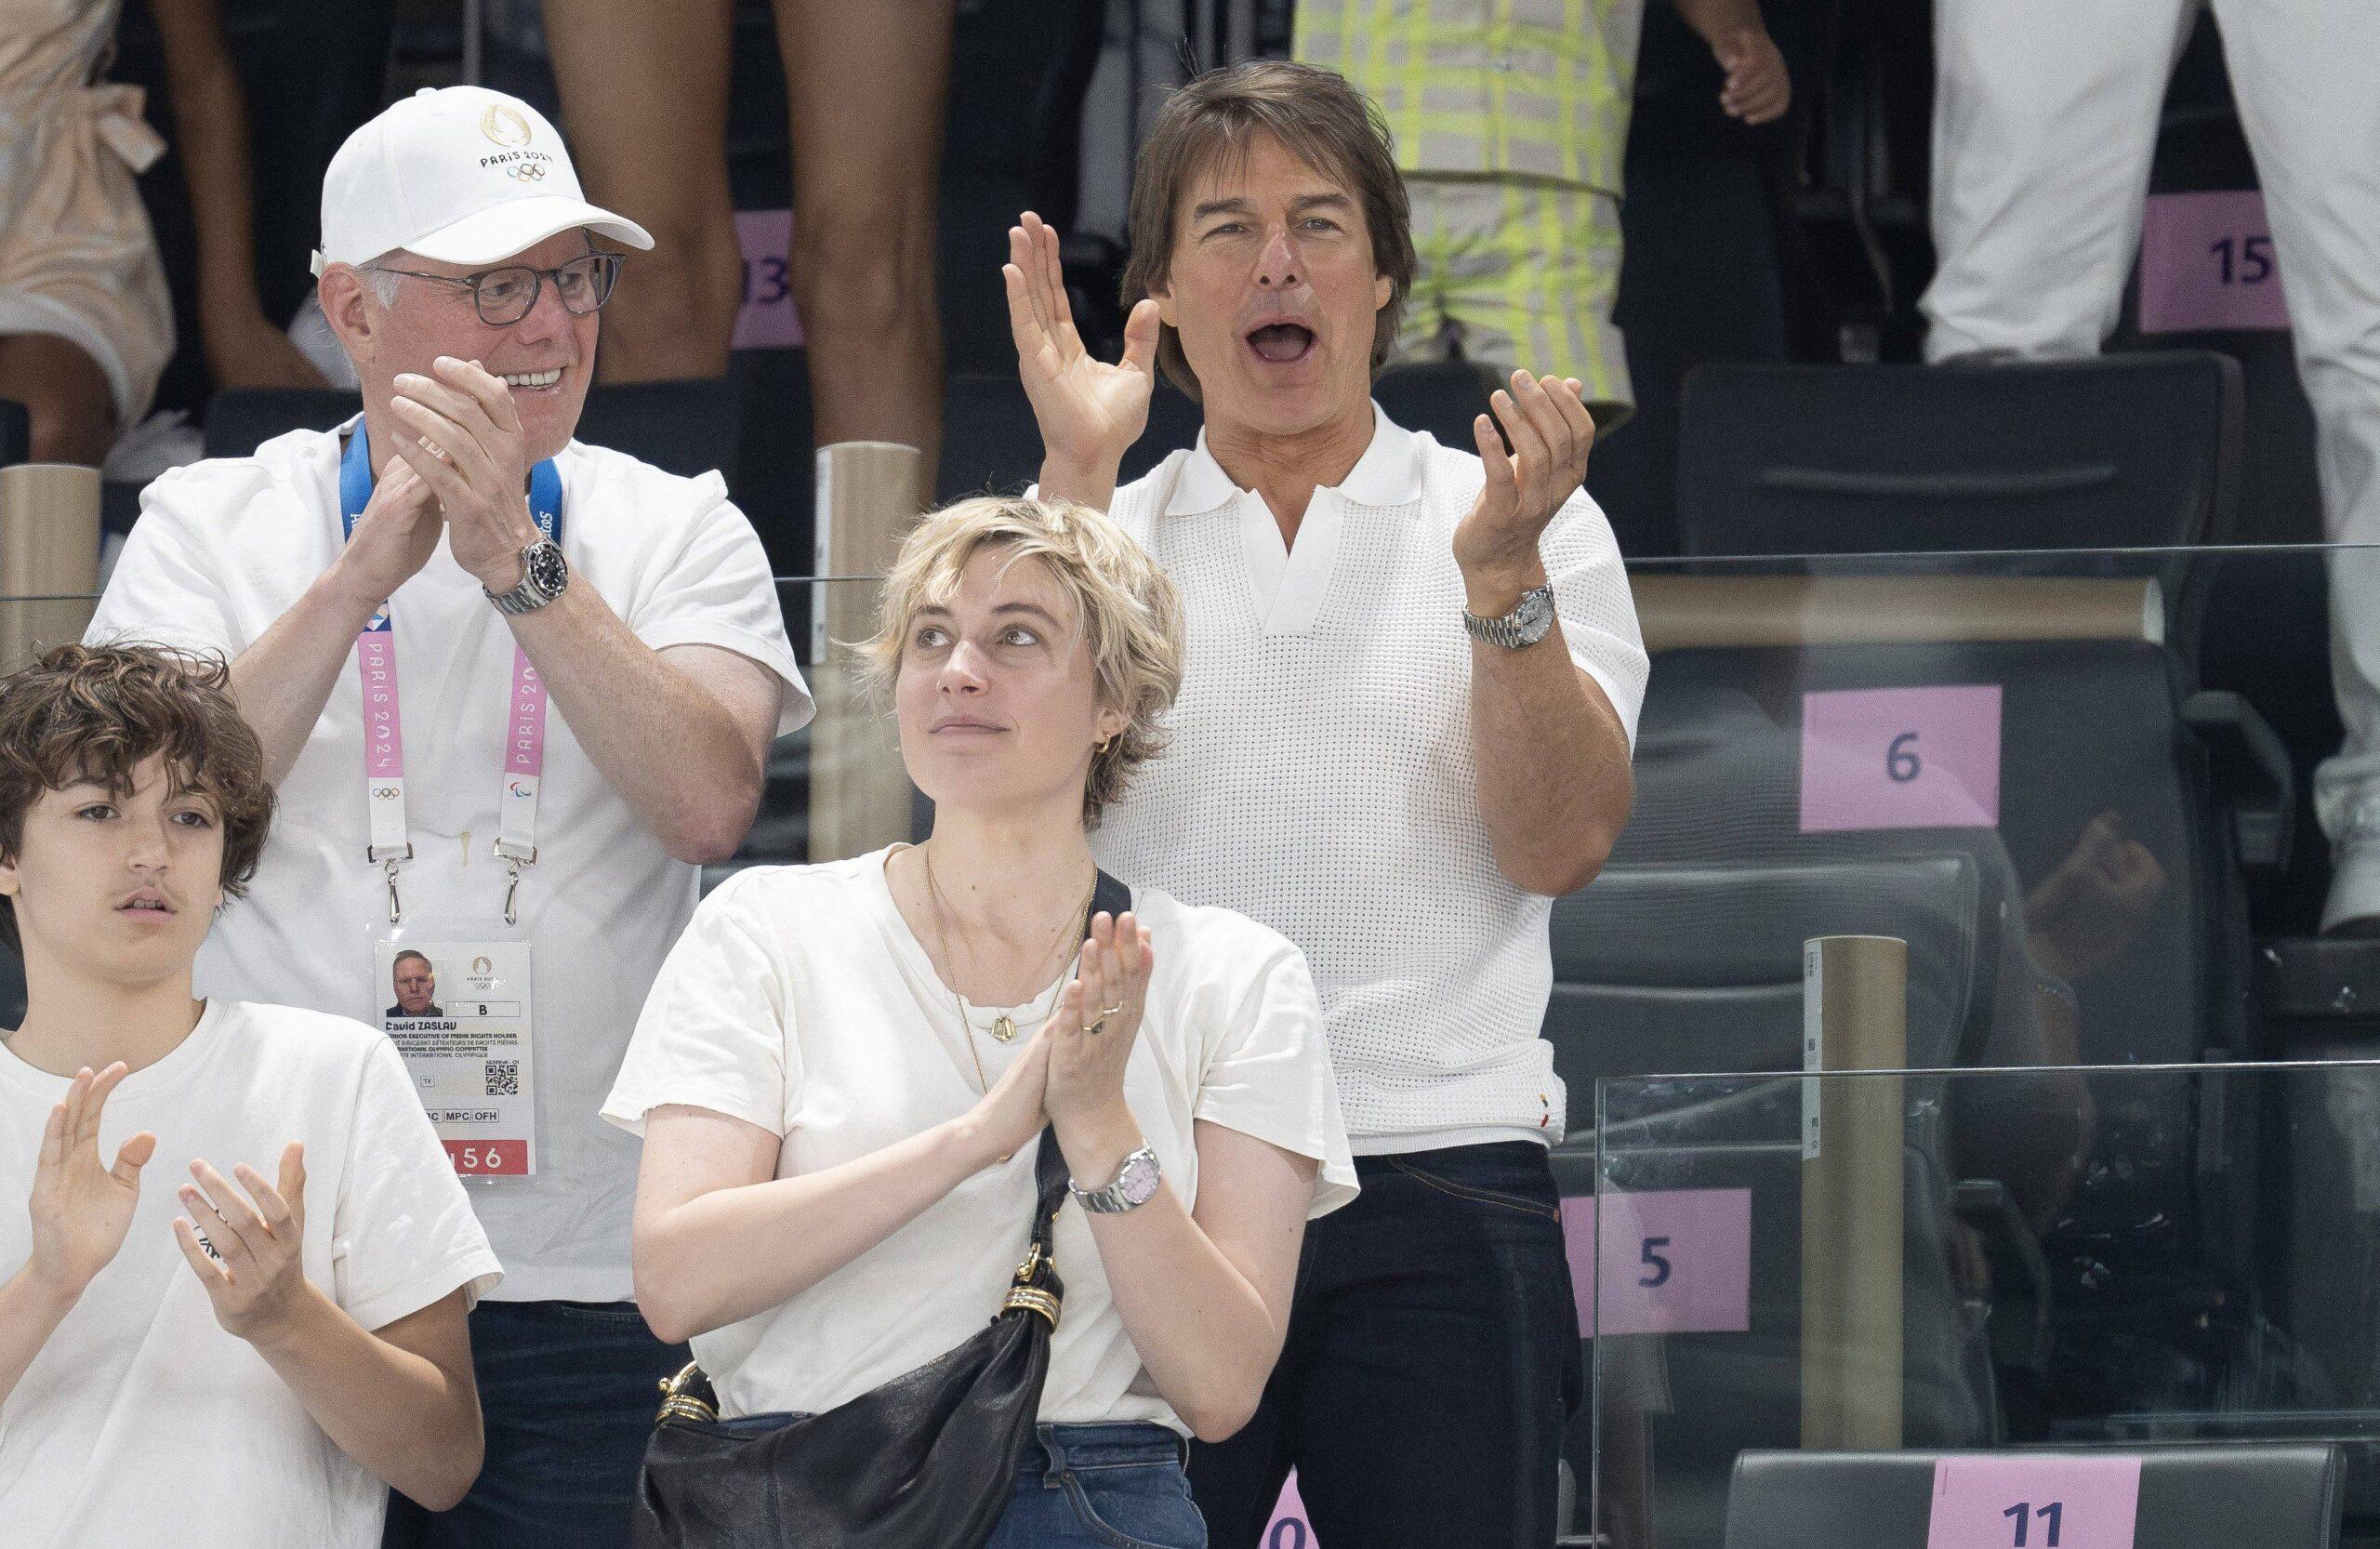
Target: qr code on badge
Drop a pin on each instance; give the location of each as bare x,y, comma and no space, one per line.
504,1077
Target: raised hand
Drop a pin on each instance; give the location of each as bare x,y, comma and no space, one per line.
81,1208
1090,413
463,436
255,1275
1551,432
1097,1021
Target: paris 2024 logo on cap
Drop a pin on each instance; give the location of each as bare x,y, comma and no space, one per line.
507,128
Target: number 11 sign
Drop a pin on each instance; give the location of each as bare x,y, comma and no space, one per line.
2034,1501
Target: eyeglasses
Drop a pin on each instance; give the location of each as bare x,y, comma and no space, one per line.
506,295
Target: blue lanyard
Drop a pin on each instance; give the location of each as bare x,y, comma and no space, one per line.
375,663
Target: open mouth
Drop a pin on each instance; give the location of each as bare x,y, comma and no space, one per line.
532,381
145,906
1282,343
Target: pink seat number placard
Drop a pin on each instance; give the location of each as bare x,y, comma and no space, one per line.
2207,262
1900,758
1671,1261
766,320
2034,1501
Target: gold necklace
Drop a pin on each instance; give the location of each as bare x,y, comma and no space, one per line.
1003,1028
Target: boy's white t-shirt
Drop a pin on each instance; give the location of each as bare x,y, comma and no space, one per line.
798,1000
143,1422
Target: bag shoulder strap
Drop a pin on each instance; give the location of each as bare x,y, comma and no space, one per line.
1111,897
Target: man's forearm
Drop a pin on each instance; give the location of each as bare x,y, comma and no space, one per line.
666,744
283,680
398,1414
30,1313
1082,483
1554,783
1716,19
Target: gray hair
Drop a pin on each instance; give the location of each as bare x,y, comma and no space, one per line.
380,282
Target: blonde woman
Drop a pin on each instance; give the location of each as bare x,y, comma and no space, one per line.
842,1070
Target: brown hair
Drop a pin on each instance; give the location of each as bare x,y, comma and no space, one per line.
1320,119
1128,612
96,713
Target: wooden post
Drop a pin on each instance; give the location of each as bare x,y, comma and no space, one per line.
1854,1010
870,493
49,548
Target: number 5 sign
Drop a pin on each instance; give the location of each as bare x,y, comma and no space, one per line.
2034,1501
1900,758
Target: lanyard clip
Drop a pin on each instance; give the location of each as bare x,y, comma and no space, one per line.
389,861
514,858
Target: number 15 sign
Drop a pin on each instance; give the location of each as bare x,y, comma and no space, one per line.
2034,1501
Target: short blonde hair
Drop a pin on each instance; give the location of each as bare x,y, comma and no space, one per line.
1127,610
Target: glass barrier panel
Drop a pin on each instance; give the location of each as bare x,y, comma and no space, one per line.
2077,1254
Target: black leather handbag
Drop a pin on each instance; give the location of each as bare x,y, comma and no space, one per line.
927,1460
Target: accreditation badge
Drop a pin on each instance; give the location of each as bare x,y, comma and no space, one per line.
459,1014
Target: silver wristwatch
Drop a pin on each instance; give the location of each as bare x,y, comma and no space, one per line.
544,575
1526,625
1135,1185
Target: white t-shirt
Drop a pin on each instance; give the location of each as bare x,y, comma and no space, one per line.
798,1000
222,550
141,1421
1320,776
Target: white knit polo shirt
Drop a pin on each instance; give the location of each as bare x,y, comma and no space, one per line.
1320,776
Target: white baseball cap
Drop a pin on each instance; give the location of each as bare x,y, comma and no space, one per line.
459,175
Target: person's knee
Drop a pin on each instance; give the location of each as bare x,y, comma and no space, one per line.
866,273
65,429
689,285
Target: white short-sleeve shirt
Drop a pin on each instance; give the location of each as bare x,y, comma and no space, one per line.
222,550
141,1421
1320,773
798,1000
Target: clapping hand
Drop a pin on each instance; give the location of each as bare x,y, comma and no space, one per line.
465,441
1097,1021
81,1208
1090,413
256,1275
1551,433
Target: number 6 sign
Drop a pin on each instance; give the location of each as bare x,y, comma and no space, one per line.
2034,1501
1900,758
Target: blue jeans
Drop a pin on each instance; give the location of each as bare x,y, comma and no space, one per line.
1087,1487
1432,1363
568,1393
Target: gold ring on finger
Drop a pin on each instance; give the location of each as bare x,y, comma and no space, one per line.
1097,1026
1106,1012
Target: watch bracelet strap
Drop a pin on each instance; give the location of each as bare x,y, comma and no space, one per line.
1506,630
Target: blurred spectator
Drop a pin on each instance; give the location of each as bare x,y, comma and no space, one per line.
85,323
644,101
2045,122
1511,123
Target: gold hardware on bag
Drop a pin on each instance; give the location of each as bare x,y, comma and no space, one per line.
1024,1296
1033,1300
678,1404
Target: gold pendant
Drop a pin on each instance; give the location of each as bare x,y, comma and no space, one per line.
1003,1030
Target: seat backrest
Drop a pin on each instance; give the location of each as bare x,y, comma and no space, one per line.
2125,451
1678,969
16,433
687,427
991,444
2275,1496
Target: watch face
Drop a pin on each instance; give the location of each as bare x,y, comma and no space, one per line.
1536,612
1138,1181
547,570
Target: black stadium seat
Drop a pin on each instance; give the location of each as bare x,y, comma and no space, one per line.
16,433
2281,1496
688,428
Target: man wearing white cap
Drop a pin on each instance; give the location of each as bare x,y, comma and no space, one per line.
559,707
